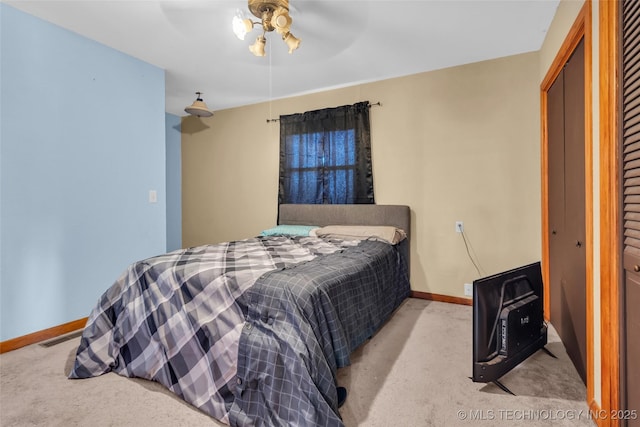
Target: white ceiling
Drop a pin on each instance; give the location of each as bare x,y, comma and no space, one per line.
343,42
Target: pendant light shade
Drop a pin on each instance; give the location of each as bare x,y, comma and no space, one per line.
199,108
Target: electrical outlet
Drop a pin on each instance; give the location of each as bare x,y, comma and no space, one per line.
459,226
468,289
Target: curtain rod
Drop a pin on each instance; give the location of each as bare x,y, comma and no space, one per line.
379,104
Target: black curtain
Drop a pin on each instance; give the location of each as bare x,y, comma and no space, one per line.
325,156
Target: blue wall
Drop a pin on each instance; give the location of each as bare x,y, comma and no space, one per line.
174,182
82,142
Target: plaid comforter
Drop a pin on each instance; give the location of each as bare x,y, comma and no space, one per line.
247,331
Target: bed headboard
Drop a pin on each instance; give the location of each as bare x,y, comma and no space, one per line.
321,215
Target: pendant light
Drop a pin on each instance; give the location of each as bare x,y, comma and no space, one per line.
199,108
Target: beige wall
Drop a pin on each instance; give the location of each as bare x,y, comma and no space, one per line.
562,21
456,144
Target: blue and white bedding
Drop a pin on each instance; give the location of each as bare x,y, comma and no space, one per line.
250,332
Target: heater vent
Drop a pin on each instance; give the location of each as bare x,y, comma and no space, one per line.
61,339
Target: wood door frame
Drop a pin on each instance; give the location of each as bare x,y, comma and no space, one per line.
581,29
610,202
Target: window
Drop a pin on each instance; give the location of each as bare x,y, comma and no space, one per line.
325,156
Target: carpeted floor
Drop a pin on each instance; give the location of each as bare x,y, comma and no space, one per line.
413,372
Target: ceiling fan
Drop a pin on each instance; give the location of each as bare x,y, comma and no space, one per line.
273,15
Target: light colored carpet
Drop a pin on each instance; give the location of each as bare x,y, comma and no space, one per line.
413,372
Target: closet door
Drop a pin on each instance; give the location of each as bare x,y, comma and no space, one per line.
575,261
567,256
555,126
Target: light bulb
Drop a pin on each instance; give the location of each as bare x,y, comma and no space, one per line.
241,26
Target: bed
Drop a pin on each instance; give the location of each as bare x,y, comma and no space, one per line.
252,332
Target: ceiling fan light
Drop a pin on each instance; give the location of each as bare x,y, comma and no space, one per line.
199,108
257,48
281,21
273,15
241,26
292,41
